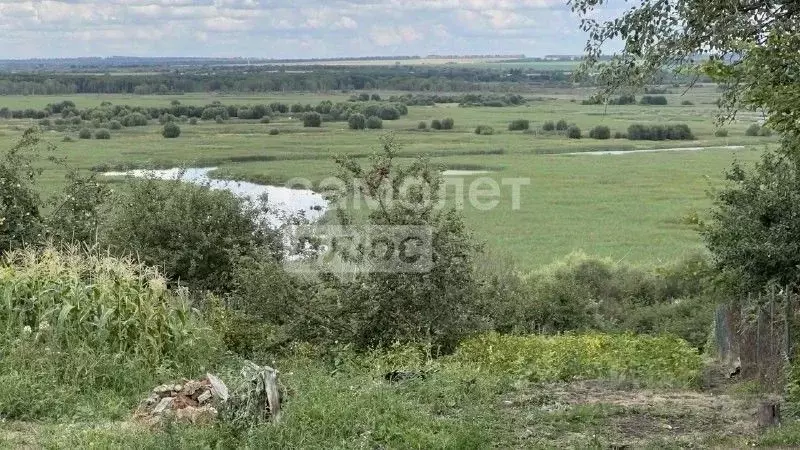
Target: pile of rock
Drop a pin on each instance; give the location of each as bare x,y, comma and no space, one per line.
192,401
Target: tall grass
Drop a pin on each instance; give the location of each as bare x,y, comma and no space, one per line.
72,322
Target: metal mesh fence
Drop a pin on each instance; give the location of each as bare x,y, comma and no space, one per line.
757,331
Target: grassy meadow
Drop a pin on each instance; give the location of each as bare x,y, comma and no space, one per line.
615,356
636,207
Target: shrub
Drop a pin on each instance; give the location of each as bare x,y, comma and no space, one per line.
166,118
620,135
687,103
753,130
171,130
44,123
447,124
436,124
721,133
562,125
19,198
357,121
573,132
374,123
484,130
688,319
653,100
113,330
519,125
134,120
389,306
765,131
193,121
115,125
102,134
67,139
659,360
312,120
422,126
548,126
659,132
219,120
85,133
265,120
194,233
760,204
212,112
600,132
274,132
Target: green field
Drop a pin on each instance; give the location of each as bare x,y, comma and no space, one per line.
633,207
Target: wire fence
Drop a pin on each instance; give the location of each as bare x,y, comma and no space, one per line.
757,332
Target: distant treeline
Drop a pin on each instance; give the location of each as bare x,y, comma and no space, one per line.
497,100
630,99
130,116
294,79
298,80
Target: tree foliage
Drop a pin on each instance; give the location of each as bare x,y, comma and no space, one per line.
195,234
752,47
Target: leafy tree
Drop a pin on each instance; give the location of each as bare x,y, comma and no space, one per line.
20,220
484,130
436,124
653,100
374,123
437,306
102,134
357,121
312,119
600,132
447,124
573,132
196,234
751,47
133,120
171,130
755,233
519,125
73,213
562,125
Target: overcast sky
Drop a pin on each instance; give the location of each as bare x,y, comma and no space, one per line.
285,28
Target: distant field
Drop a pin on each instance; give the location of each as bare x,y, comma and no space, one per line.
631,207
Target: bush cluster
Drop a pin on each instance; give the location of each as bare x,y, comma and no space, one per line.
600,132
484,130
639,132
519,125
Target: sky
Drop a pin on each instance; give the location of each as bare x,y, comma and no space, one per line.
296,29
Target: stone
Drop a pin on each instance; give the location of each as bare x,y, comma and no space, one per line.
162,390
152,400
191,387
218,388
196,415
204,397
164,405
